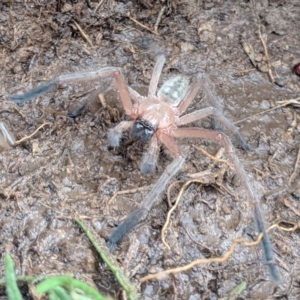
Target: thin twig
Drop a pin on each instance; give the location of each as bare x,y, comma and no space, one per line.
203,261
293,124
173,208
295,167
99,4
159,17
295,102
213,157
263,43
146,4
30,136
140,24
102,100
169,191
130,191
85,37
266,54
161,275
282,104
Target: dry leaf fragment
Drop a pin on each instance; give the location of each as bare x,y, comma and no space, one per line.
249,51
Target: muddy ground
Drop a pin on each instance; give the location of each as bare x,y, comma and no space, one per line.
67,169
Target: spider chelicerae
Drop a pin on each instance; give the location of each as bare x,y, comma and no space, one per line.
158,117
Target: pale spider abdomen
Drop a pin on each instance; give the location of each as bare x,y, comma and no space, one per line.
174,90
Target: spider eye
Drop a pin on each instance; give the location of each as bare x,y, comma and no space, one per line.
139,126
148,131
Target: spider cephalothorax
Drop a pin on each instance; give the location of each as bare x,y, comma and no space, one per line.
160,111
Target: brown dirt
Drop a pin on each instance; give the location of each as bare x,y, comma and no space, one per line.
68,169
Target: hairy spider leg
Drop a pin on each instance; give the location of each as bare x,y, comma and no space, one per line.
191,94
135,96
114,135
160,61
169,143
202,113
150,157
37,91
49,85
124,93
212,99
150,200
191,132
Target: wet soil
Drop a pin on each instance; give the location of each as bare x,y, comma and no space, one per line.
67,169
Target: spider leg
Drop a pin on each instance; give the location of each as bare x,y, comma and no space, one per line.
114,135
150,200
137,98
124,228
222,138
150,157
210,93
191,94
169,143
37,91
196,115
199,114
77,112
124,92
84,76
49,85
215,109
215,101
96,94
160,61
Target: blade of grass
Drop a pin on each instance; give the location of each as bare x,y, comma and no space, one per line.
69,283
53,296
234,294
12,290
21,278
61,293
78,295
110,260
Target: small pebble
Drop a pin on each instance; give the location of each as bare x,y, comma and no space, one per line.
17,69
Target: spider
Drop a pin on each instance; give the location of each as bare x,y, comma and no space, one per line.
157,117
